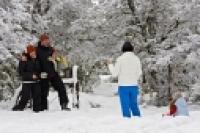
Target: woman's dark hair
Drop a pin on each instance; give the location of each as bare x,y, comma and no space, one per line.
127,47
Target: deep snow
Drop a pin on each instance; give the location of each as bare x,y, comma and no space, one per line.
106,119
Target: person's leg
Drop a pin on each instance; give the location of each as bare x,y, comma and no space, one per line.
124,100
36,95
134,92
44,94
25,96
58,85
17,100
77,95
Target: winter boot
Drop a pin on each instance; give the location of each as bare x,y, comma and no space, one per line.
65,107
16,108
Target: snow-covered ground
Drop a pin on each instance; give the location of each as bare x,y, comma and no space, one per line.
106,119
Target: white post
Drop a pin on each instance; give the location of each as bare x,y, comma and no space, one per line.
75,79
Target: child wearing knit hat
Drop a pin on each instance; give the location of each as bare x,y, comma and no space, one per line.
29,71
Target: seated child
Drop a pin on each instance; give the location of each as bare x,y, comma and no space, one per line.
178,106
172,108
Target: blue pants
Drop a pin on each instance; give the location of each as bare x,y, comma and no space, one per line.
128,98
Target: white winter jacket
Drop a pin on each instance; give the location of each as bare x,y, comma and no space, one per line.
127,69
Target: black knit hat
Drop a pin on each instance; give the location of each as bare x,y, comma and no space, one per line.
127,47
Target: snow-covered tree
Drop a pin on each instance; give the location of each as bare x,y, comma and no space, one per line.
165,35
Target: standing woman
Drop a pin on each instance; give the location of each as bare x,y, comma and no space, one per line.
128,71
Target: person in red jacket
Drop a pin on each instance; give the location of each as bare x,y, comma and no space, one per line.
172,108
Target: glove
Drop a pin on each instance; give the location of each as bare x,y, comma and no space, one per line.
43,75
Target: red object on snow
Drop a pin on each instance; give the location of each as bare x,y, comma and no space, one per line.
173,109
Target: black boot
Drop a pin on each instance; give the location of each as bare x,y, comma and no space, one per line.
16,108
65,107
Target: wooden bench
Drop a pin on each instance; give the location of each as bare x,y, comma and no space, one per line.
75,90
